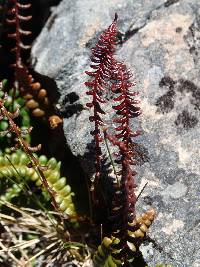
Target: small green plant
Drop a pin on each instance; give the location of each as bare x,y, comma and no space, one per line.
23,117
103,256
24,166
15,166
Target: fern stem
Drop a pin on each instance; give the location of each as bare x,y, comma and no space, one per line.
111,160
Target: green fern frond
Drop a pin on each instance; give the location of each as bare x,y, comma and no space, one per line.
103,257
12,192
58,184
110,252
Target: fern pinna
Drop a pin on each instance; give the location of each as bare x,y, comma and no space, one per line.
102,57
127,232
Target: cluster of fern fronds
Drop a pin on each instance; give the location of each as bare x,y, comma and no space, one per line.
14,165
26,174
27,178
109,76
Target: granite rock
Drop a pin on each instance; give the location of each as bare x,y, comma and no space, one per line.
161,44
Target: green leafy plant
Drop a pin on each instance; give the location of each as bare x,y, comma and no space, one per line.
15,166
23,117
20,168
110,248
103,256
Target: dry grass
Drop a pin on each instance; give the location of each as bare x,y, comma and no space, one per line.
30,237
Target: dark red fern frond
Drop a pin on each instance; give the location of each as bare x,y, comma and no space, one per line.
127,183
102,58
123,205
128,105
35,95
123,214
125,111
15,19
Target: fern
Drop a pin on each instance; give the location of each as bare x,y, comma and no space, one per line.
12,192
128,240
20,161
110,253
110,74
102,57
123,205
103,257
37,99
15,19
23,118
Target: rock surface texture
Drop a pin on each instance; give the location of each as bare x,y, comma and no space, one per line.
161,44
